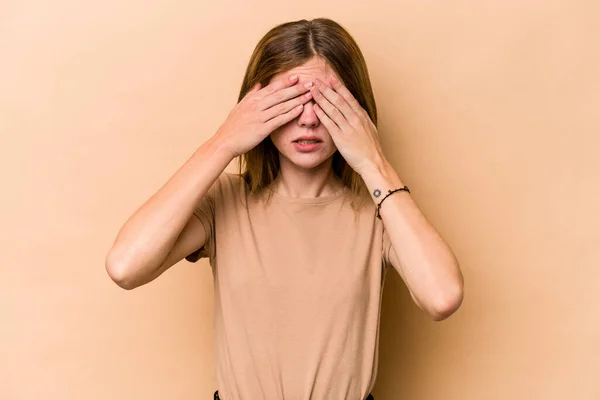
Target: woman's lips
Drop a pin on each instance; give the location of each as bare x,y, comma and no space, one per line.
306,148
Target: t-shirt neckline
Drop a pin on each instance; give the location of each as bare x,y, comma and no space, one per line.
309,200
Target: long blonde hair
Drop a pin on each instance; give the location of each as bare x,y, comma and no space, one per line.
287,46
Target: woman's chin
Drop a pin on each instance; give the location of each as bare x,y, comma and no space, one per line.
308,162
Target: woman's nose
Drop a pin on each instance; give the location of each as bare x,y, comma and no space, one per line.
308,115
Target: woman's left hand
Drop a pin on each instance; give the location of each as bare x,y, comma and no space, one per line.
349,125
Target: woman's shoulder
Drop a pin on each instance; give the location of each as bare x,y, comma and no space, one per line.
230,184
228,180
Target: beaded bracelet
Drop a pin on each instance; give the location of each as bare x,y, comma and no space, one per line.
377,191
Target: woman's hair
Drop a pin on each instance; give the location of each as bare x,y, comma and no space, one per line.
290,45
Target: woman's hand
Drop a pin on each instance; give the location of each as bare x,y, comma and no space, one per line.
261,111
349,125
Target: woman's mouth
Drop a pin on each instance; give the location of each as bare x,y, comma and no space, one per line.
307,145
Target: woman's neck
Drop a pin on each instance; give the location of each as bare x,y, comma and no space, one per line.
293,181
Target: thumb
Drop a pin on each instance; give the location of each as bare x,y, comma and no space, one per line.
252,90
256,87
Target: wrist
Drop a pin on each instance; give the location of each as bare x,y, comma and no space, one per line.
221,146
380,178
381,172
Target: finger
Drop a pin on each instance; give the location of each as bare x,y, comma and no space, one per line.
286,106
277,84
255,88
336,107
283,119
285,94
332,111
252,90
345,93
332,127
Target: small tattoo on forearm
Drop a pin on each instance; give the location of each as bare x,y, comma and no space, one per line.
377,193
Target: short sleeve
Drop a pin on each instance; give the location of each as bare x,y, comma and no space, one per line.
205,212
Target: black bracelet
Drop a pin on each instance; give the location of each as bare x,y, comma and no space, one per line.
386,196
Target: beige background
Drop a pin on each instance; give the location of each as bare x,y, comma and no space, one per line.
489,110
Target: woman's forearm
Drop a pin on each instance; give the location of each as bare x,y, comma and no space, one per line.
148,236
422,257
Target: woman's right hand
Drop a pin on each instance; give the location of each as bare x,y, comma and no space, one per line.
260,112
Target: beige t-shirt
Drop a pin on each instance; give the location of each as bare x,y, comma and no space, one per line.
298,291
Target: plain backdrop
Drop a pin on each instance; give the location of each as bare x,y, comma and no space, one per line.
489,110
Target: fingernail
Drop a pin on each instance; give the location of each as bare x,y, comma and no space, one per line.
308,84
293,77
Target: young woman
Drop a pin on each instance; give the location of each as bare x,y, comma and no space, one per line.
300,240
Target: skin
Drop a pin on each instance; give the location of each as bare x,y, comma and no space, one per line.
421,256
306,174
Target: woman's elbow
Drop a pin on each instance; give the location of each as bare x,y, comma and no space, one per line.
447,304
119,273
